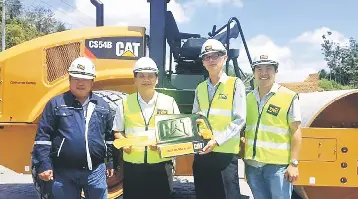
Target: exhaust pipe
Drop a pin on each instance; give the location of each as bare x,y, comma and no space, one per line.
99,12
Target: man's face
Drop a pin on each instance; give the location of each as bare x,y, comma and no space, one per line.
214,62
265,75
144,80
80,88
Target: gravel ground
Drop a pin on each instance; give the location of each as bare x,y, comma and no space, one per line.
19,186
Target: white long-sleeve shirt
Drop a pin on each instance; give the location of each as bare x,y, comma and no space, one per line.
238,110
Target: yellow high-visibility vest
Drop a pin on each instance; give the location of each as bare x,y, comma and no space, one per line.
135,125
219,112
268,137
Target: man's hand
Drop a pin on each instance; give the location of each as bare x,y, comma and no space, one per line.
109,172
209,147
153,147
291,174
128,150
46,175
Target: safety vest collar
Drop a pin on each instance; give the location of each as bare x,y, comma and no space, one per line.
274,89
222,80
152,101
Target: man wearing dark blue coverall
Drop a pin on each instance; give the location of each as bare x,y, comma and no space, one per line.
71,142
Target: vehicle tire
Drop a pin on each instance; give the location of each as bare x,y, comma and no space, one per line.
115,187
113,98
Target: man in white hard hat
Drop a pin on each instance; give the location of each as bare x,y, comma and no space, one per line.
222,100
145,172
70,144
272,134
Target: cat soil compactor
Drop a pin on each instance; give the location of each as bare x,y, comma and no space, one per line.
35,71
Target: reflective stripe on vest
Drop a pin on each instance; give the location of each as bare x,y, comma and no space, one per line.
219,112
135,126
268,138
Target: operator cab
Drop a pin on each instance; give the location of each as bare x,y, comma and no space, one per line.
188,70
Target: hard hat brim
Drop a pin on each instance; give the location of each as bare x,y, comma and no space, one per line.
145,71
81,76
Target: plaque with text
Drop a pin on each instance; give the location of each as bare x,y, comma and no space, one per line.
175,135
180,134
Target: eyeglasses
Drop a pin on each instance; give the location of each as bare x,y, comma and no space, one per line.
212,57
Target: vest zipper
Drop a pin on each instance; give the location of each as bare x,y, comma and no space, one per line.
210,101
258,124
256,131
147,126
146,148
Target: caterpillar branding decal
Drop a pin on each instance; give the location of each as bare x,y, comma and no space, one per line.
130,48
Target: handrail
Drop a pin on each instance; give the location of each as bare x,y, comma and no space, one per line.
214,32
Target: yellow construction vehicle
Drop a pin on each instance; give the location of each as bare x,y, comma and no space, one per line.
33,72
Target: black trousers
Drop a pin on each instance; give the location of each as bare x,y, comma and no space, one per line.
145,181
216,176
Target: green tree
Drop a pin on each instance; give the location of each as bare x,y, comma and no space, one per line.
342,60
44,20
323,74
15,33
26,24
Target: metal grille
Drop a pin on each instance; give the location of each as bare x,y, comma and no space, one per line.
59,58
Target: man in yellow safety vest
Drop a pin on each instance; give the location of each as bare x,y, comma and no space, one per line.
222,100
145,172
272,134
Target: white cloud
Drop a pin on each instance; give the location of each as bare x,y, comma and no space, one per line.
314,37
131,13
291,68
262,44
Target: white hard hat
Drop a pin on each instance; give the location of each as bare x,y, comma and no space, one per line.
145,64
264,59
212,45
82,67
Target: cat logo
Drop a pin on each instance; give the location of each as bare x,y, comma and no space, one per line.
273,110
263,57
198,146
208,48
162,112
127,49
222,96
79,66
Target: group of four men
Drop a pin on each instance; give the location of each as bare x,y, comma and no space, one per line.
73,142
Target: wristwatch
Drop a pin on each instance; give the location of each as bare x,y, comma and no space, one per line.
294,162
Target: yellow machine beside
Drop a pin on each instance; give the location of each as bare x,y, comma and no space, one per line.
35,71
